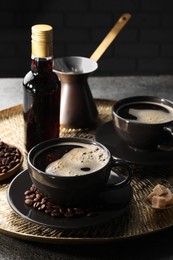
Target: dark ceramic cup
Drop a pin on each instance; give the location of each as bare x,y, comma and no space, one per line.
82,173
144,122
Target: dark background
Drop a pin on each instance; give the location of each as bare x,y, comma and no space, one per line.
143,47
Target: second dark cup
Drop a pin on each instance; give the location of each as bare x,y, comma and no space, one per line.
144,122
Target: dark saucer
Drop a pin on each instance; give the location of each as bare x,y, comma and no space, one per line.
115,204
108,137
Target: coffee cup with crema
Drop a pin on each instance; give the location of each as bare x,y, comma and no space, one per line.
144,122
73,171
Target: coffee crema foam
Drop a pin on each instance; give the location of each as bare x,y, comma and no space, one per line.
79,161
147,112
150,116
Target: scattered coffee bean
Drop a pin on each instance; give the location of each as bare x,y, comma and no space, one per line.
9,157
35,199
28,202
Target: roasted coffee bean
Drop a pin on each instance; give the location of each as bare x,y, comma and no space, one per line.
55,211
36,204
38,201
56,214
48,210
28,192
9,157
43,200
33,188
49,204
62,210
69,213
4,170
38,196
28,202
31,196
42,207
79,212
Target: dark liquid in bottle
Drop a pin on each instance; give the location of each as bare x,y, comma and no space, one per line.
41,103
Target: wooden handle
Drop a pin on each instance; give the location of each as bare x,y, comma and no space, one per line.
110,36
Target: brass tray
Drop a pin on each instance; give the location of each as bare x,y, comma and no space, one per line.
136,221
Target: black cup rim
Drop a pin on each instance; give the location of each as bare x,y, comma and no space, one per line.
63,140
130,99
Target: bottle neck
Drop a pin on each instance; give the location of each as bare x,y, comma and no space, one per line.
41,64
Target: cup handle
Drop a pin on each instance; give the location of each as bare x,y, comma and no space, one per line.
169,145
126,180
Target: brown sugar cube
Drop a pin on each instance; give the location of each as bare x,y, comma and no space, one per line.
159,190
169,198
158,202
149,197
169,191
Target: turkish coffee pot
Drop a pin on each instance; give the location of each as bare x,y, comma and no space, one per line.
78,108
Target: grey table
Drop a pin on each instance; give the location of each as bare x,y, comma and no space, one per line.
155,246
101,87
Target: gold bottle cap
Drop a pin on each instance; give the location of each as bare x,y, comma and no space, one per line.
42,40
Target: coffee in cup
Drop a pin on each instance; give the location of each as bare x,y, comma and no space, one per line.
79,160
146,112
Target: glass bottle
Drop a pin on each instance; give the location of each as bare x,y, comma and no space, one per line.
41,90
